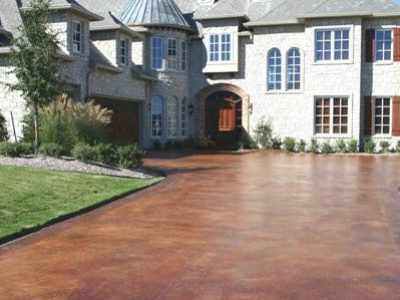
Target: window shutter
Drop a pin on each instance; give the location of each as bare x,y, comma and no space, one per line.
396,44
396,116
370,45
368,116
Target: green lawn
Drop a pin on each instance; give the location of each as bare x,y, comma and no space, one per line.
33,197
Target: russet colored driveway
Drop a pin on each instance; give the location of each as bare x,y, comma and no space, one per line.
252,226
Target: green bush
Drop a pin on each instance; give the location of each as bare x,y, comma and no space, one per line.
25,148
341,146
289,144
51,149
191,143
398,147
84,152
301,146
369,146
326,148
263,135
168,145
314,146
384,145
3,129
130,157
276,143
106,153
352,146
177,145
15,149
157,145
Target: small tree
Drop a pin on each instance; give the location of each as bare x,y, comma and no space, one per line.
35,61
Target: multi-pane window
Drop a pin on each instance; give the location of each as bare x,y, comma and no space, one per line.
172,54
157,53
184,56
331,115
184,117
172,117
157,108
332,44
274,69
293,72
123,52
220,47
382,116
383,40
77,36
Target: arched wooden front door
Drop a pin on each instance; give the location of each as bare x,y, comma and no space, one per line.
224,119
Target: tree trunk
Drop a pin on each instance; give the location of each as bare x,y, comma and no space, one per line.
36,121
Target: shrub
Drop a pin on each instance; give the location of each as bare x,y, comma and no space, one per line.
352,146
106,153
301,146
326,148
384,145
15,149
25,148
369,146
168,145
157,145
276,143
263,134
28,128
3,129
84,152
51,149
191,143
314,146
289,144
246,142
177,145
398,147
341,146
130,156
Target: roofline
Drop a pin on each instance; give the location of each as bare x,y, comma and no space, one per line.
118,28
334,15
238,16
272,23
79,10
182,27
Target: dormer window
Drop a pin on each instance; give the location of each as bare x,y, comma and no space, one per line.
123,52
220,47
77,36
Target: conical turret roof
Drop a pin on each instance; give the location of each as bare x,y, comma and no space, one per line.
153,12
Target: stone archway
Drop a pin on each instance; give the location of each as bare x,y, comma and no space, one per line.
206,92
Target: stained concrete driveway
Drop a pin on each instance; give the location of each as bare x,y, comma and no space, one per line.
254,226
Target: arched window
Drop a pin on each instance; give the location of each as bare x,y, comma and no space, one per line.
274,69
173,117
184,117
293,72
157,109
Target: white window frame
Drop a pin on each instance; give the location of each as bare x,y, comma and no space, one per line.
77,44
382,116
331,117
172,54
384,49
123,52
332,40
155,116
160,49
218,49
183,126
294,73
173,113
274,72
184,56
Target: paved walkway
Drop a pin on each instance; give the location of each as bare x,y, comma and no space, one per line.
252,226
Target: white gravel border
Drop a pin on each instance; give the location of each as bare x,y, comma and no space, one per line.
72,165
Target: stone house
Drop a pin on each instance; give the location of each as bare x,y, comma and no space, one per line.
324,69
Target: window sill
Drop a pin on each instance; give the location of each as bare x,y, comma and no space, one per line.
285,92
382,136
332,136
383,63
332,62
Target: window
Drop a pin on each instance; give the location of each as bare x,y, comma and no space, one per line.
157,109
220,47
184,117
382,116
77,36
336,41
274,69
156,53
172,117
172,54
383,45
184,56
293,69
331,115
123,52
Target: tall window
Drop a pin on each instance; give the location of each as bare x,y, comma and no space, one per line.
293,72
383,45
274,69
172,54
382,116
123,52
172,117
331,115
184,56
77,37
332,44
157,53
220,47
184,117
157,108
